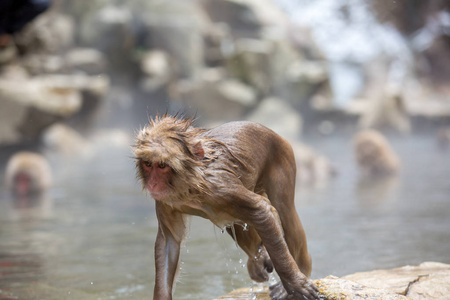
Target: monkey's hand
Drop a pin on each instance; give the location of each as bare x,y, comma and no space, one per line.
302,288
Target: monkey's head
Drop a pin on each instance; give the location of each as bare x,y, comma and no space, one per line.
169,157
27,174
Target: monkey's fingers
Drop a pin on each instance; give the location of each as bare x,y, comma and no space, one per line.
277,291
308,292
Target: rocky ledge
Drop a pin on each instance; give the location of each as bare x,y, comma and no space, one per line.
429,280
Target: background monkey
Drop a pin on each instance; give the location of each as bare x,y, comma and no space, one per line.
239,175
374,155
27,174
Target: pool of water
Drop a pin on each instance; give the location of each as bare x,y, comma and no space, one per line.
92,237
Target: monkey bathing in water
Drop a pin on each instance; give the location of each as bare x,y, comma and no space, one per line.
27,174
241,176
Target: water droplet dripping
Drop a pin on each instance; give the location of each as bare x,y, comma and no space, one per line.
233,231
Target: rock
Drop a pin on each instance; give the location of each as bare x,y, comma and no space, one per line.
158,70
279,116
429,280
28,105
386,111
65,140
87,60
178,28
334,288
247,19
239,15
306,77
251,62
49,33
330,288
217,98
110,30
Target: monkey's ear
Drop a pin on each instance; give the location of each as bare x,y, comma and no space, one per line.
198,150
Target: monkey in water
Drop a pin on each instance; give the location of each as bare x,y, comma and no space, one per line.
240,176
374,155
27,174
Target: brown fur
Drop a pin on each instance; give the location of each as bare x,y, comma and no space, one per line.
239,175
374,155
32,165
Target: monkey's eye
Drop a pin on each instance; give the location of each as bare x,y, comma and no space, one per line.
162,165
147,163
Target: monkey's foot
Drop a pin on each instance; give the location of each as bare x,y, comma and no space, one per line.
304,290
259,269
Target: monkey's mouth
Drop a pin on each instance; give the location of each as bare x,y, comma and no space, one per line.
156,192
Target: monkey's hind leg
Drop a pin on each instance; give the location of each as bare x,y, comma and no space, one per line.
259,264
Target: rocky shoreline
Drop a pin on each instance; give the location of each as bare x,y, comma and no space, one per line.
429,280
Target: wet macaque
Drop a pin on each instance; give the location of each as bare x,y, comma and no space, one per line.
27,174
239,175
374,155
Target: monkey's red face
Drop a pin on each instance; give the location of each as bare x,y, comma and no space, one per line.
157,178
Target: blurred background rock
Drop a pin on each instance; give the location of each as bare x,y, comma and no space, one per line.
324,64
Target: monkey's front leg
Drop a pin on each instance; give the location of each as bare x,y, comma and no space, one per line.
255,210
171,232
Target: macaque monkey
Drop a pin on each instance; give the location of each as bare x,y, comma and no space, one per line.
241,176
27,174
374,155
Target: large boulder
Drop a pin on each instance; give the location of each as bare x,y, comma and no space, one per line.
29,105
279,116
330,288
429,281
217,98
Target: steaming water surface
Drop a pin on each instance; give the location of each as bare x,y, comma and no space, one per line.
93,236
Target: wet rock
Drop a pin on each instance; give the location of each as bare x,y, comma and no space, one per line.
330,288
279,116
334,288
429,280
